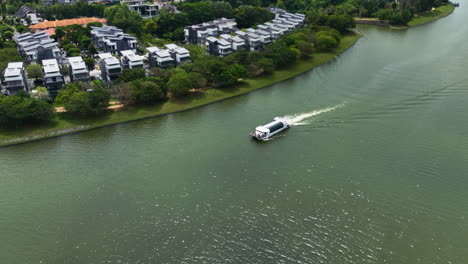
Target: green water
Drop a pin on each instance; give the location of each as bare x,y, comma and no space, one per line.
382,177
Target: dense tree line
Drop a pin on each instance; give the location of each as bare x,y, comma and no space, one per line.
80,9
20,109
84,99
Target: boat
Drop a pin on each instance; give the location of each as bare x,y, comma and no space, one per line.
266,131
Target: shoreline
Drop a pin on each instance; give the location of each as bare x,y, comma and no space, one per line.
419,19
63,125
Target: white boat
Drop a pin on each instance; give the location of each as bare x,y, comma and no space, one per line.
266,131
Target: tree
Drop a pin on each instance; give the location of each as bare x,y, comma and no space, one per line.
248,16
123,93
197,80
76,100
231,75
89,63
262,66
34,71
280,53
41,93
85,42
98,98
341,22
147,92
19,110
129,75
326,42
280,4
7,34
179,84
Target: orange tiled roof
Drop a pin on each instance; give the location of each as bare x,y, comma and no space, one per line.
67,22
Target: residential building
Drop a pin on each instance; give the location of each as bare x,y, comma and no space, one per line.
26,12
14,78
160,58
37,47
110,67
198,34
218,47
237,43
113,40
142,7
78,70
130,60
53,79
253,41
179,54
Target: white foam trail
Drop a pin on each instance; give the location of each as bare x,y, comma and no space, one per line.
299,119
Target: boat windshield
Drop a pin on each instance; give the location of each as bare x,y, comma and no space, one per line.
261,134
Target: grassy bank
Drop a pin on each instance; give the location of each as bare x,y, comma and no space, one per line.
65,124
426,17
419,19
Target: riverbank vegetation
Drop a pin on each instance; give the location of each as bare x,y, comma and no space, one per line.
206,78
64,123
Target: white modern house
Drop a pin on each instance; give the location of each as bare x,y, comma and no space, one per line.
179,54
198,34
78,70
53,78
110,67
160,57
14,78
130,60
218,47
113,40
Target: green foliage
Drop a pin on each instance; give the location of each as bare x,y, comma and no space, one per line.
80,100
147,92
249,16
121,17
89,63
18,110
383,14
179,83
80,9
122,92
325,42
8,55
34,71
280,53
341,22
41,93
231,75
129,75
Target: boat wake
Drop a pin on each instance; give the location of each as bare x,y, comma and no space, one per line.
301,119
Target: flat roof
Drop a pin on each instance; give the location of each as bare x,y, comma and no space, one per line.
152,49
171,46
104,55
76,62
50,65
13,69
